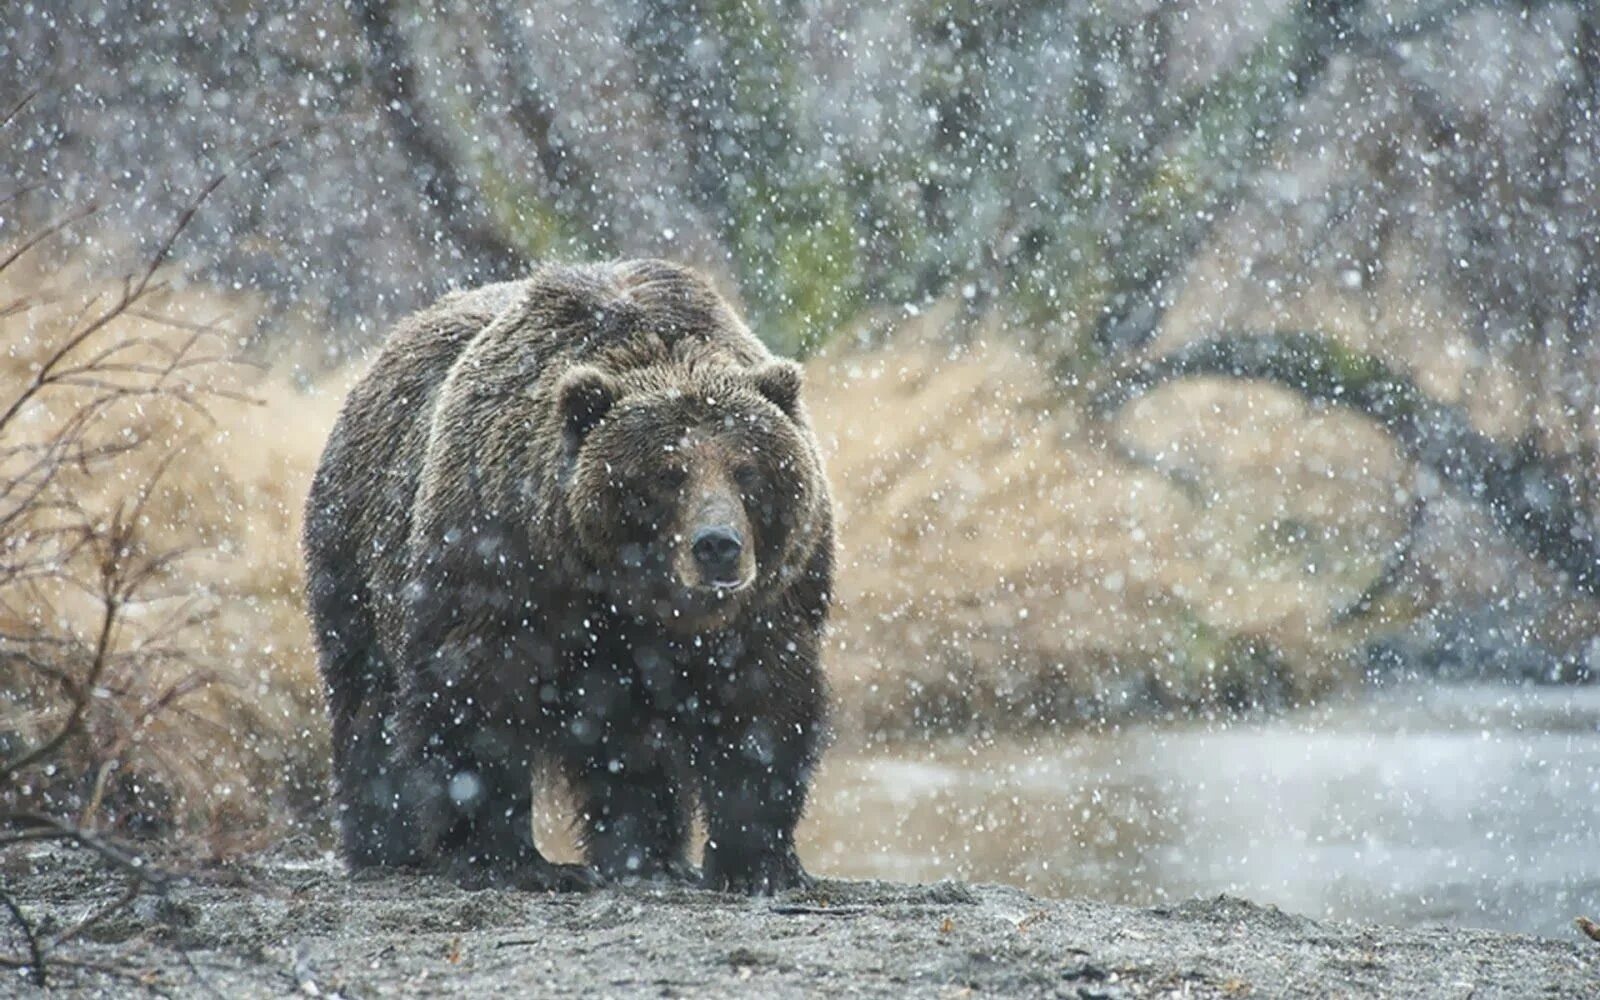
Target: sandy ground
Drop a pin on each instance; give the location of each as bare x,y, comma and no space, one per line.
283,925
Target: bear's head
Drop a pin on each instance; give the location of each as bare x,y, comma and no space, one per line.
692,493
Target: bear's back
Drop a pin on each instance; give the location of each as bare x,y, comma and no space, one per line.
358,514
463,356
620,317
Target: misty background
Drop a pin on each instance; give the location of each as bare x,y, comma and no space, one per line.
1210,390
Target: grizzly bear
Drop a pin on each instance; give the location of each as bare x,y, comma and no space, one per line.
575,524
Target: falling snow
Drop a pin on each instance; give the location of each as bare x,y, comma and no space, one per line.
1209,392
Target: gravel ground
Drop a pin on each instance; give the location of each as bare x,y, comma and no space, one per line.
278,926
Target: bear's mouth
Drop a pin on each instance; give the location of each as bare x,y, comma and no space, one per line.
699,600
720,589
698,606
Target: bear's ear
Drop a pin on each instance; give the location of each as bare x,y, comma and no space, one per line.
780,382
583,397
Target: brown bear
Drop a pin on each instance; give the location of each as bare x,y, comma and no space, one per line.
574,523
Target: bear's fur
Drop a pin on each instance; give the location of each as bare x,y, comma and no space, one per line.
580,521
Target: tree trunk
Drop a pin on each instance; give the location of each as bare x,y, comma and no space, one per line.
394,78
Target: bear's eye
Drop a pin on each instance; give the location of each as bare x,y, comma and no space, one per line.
745,475
672,478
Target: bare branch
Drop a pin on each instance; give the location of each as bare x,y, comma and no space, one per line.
36,968
18,107
35,827
1517,484
66,221
23,191
79,698
130,892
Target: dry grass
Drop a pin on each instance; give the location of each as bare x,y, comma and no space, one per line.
1005,566
1002,567
205,712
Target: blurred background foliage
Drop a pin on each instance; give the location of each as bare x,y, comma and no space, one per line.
1060,163
1032,251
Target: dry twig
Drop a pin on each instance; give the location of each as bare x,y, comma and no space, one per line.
91,689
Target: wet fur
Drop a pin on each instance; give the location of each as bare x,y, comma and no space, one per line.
471,629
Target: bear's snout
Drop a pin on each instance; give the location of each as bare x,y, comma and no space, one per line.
716,553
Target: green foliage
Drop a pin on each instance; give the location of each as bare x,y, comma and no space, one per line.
786,216
1039,160
799,260
1236,672
527,218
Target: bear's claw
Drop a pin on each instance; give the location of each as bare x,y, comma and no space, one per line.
762,875
558,878
528,876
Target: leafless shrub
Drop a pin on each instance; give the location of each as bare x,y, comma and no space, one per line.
97,630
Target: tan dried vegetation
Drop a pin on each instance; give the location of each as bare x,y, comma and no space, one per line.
1005,565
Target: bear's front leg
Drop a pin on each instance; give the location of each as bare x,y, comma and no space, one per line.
761,745
467,738
628,772
754,795
635,824
470,795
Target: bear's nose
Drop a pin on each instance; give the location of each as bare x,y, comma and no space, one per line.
717,551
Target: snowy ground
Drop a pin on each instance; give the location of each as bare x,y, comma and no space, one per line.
278,926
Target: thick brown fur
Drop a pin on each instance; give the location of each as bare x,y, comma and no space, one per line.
505,544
